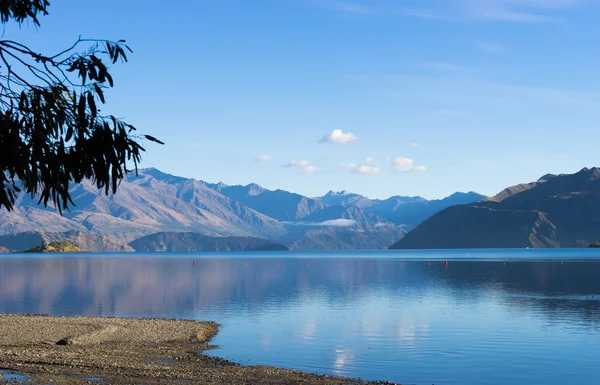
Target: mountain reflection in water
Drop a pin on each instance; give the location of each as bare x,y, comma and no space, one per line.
374,318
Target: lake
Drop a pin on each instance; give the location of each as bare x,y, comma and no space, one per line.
414,317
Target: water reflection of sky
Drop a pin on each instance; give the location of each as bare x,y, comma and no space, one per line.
413,322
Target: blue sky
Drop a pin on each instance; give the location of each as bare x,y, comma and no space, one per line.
379,97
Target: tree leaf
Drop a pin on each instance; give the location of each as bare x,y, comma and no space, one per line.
153,139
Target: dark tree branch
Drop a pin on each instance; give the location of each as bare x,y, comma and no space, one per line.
52,135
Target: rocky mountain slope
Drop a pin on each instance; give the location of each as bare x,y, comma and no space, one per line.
345,198
279,204
401,210
154,202
184,242
336,238
320,224
413,214
555,211
146,204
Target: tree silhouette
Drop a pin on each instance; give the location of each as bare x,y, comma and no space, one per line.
52,133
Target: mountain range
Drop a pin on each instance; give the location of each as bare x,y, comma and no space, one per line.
554,211
154,202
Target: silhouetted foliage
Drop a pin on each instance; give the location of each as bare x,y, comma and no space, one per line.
52,132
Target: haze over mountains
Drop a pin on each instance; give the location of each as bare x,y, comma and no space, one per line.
554,211
156,202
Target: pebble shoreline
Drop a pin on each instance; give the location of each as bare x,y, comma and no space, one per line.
98,350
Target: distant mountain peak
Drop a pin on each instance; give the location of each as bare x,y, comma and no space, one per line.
464,197
254,189
555,211
159,175
341,193
547,177
460,193
593,173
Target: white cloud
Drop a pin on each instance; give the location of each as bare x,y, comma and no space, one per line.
298,163
360,169
406,165
305,165
369,159
348,166
339,137
491,48
263,158
367,170
338,223
332,222
414,145
310,170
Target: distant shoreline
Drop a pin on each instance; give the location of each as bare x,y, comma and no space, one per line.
69,350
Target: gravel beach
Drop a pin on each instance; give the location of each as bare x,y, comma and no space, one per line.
95,350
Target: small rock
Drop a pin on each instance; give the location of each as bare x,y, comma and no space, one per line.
65,341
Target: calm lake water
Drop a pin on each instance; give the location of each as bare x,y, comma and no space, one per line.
485,317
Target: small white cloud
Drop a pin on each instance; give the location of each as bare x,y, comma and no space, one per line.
367,170
406,165
414,145
305,165
338,223
332,222
311,170
298,163
263,158
491,48
369,159
348,166
339,137
360,169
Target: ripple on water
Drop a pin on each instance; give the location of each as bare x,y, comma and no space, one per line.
357,315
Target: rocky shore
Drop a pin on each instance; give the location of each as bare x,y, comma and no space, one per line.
95,350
